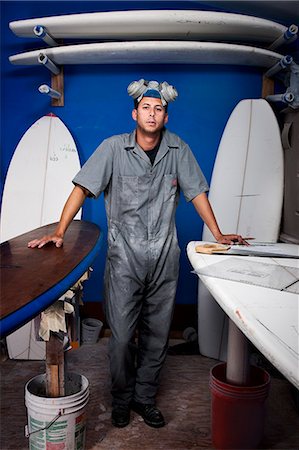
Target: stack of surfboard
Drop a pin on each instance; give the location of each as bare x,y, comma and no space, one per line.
155,36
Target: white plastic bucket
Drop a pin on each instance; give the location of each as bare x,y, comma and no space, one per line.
91,329
57,422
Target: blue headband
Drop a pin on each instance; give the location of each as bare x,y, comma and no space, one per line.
152,93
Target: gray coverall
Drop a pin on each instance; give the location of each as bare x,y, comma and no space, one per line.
143,254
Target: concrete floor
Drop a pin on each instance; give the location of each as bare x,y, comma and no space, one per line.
184,399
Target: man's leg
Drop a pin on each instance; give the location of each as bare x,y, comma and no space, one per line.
122,309
154,326
154,329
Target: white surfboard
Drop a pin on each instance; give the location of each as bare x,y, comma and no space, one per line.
155,24
246,194
152,52
38,182
260,295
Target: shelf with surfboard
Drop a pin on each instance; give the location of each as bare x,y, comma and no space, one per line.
154,37
191,25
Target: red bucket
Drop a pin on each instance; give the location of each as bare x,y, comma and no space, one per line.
238,412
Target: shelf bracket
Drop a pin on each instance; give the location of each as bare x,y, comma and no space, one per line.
284,63
286,38
45,89
284,98
291,81
46,61
41,32
268,80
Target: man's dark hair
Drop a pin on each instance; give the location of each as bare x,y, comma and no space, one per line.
136,103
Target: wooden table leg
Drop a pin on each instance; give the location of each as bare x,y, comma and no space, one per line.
55,386
237,369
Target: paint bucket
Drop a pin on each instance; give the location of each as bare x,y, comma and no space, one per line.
56,422
91,329
238,412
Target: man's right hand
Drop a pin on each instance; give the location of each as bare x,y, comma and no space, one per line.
39,243
72,206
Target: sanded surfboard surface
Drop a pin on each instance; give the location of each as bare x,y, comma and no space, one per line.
246,194
246,189
38,182
155,24
39,178
152,52
33,279
267,315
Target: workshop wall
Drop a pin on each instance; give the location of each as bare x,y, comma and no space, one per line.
97,106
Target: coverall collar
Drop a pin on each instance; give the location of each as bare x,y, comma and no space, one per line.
167,143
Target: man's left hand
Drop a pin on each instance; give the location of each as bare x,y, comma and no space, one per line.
231,239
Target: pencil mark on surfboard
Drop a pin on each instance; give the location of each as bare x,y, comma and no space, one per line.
67,148
189,21
247,195
54,158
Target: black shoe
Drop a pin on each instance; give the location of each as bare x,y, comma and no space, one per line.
151,415
120,416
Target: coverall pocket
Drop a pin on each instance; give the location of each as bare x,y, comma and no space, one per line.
170,187
128,190
113,235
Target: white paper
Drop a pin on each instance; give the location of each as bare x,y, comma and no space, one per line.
271,276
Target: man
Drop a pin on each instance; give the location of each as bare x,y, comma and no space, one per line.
141,175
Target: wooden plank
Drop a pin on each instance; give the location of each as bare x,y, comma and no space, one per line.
267,87
57,83
54,367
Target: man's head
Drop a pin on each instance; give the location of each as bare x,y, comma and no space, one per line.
150,104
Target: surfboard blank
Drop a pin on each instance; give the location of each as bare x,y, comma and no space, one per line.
155,24
152,52
247,183
246,193
39,177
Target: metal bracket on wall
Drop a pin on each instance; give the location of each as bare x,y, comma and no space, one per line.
291,81
45,89
57,79
56,91
268,80
284,63
42,33
46,61
286,38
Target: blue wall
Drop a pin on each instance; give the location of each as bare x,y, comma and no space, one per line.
97,106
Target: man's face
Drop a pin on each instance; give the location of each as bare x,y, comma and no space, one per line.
150,115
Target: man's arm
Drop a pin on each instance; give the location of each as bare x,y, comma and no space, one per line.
204,209
71,207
